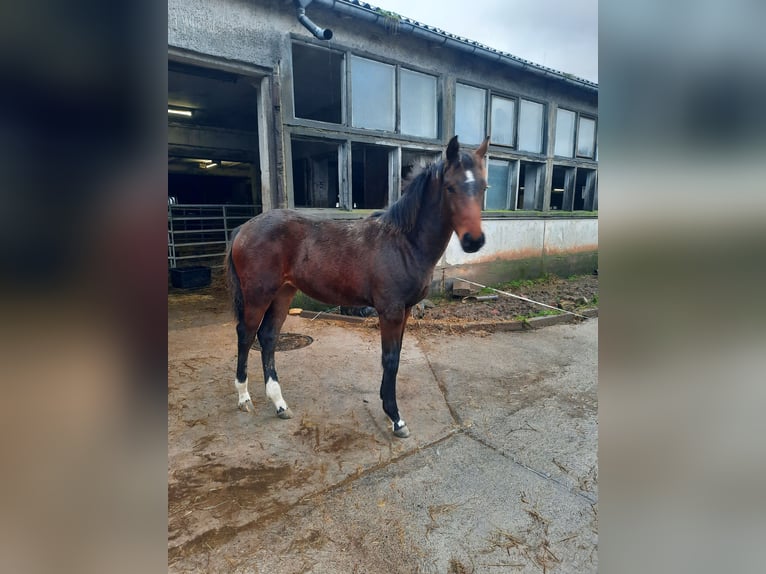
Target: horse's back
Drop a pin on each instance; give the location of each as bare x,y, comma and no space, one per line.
277,225
330,260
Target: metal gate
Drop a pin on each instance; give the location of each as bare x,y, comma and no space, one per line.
198,234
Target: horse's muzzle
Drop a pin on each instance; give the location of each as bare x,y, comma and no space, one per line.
471,245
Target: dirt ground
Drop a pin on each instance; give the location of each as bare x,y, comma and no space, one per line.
573,293
551,290
237,480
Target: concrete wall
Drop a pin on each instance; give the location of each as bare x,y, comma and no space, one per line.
524,248
239,30
258,32
525,238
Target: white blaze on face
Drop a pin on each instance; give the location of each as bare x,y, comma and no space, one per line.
469,176
274,392
244,396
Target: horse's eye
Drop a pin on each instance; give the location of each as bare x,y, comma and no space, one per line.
450,189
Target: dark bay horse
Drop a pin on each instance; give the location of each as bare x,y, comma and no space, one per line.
385,261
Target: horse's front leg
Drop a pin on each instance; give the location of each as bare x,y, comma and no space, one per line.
392,325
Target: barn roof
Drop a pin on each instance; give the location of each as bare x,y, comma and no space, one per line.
370,13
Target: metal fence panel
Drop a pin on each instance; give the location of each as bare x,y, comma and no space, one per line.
198,234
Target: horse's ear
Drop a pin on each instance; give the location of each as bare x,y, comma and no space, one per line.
452,150
482,151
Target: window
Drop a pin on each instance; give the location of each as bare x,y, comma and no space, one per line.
470,114
369,176
531,126
315,173
317,84
585,190
503,113
321,91
586,137
565,133
562,188
418,104
513,123
498,180
531,180
373,98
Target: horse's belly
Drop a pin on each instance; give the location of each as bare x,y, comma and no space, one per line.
332,294
332,286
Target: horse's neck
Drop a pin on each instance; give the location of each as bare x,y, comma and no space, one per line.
433,229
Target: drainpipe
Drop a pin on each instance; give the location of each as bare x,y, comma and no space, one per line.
321,33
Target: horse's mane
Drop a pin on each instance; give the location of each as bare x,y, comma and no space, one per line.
403,215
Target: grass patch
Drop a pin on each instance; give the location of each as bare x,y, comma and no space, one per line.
303,301
519,284
543,313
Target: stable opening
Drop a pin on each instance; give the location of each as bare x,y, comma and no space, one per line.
209,181
213,149
317,83
584,189
531,181
562,188
214,180
315,173
414,161
369,176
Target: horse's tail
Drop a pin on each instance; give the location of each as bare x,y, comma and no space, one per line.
232,280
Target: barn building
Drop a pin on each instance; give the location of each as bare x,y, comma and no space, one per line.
327,105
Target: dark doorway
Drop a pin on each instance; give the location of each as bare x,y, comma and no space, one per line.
562,188
370,180
531,181
584,189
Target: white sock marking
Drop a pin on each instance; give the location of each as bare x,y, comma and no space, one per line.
469,176
244,396
400,424
274,392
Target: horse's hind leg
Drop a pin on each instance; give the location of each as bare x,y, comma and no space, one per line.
247,328
268,334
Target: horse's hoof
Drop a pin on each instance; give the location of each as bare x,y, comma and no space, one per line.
285,413
402,431
245,407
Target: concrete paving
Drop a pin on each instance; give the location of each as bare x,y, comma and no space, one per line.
499,475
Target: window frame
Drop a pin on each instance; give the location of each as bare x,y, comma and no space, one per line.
344,88
576,156
487,93
515,99
395,92
594,155
347,93
437,102
575,120
543,126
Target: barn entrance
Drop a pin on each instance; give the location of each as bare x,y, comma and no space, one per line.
214,176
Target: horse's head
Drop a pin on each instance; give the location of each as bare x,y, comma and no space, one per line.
465,179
